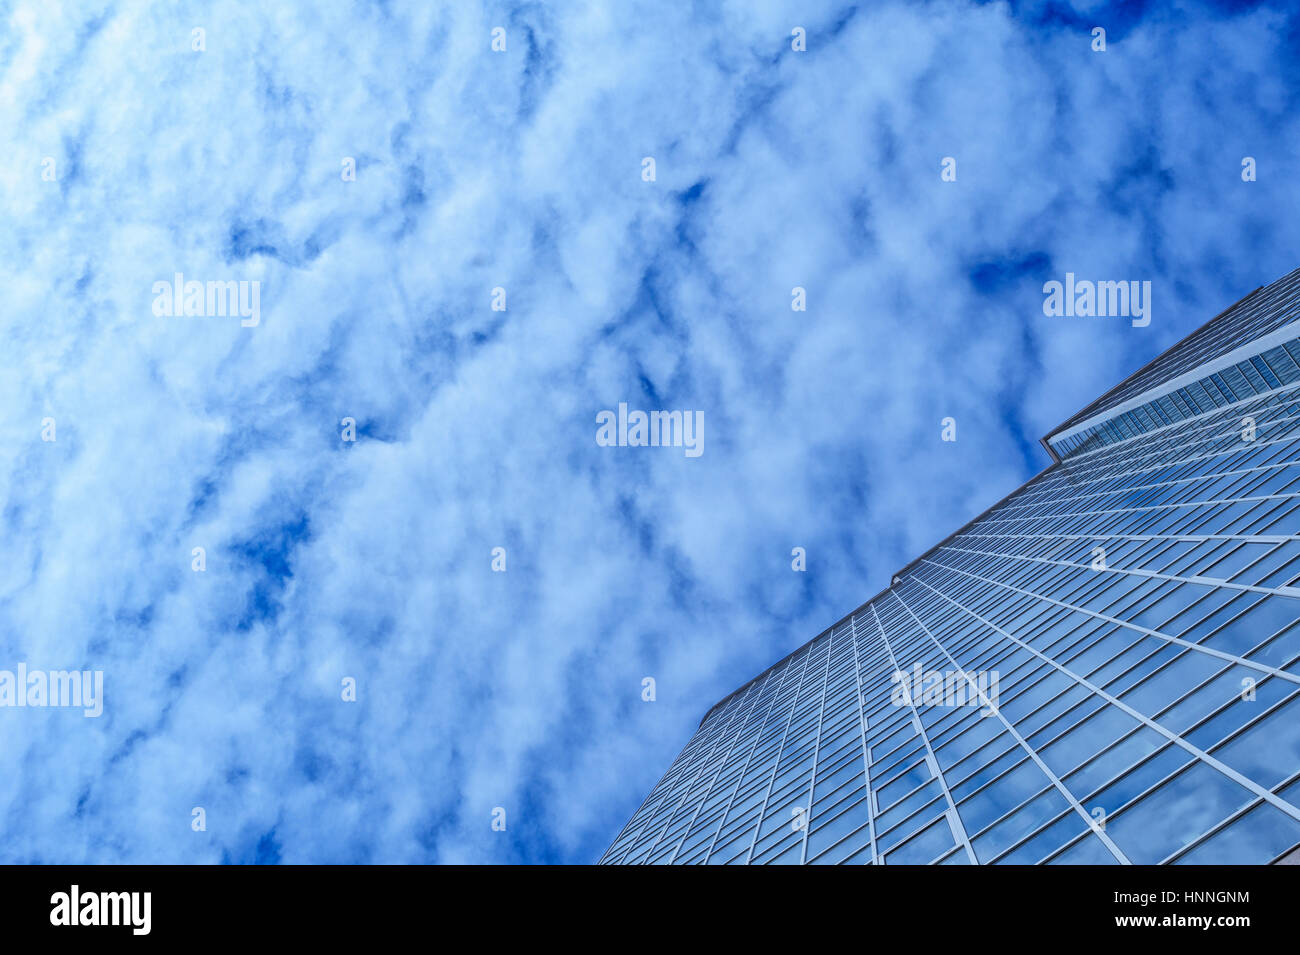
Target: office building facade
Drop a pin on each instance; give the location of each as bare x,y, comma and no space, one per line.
1103,668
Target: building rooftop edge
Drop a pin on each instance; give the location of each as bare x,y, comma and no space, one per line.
1055,461
1077,417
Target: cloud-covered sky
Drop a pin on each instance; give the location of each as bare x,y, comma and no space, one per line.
129,156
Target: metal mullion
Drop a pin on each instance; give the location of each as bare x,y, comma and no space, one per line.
919,819
1105,473
1063,814
1043,767
776,762
1104,512
1267,396
1164,709
1139,763
1018,505
1109,473
1197,724
1111,481
1216,582
1158,784
1212,831
722,820
645,802
1145,720
1249,724
1200,422
1178,641
1173,538
817,749
955,820
699,773
704,797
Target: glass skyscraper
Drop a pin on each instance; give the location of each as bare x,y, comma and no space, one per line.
1103,668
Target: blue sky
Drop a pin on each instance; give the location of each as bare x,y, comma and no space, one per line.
523,170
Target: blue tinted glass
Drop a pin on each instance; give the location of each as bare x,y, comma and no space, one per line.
1262,833
1176,814
1034,597
1268,750
1002,796
1133,783
1048,840
1089,851
924,847
1029,817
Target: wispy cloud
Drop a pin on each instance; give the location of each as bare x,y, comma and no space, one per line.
522,170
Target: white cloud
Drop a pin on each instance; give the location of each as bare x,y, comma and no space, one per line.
522,170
